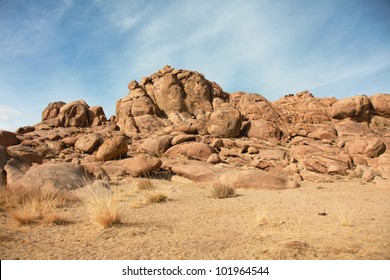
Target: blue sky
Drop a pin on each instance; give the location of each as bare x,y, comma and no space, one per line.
53,50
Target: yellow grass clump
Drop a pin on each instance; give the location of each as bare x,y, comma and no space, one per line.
346,217
146,184
27,207
156,197
101,205
223,191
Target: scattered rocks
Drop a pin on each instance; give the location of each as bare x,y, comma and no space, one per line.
179,122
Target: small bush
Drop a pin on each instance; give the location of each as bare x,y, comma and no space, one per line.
223,191
101,206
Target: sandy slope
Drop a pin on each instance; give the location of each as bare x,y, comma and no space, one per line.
257,224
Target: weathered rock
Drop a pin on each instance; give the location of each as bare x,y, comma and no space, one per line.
25,153
196,171
371,147
3,161
348,128
74,114
157,146
181,138
64,176
70,140
113,148
87,143
262,129
52,110
14,170
127,124
25,129
198,151
225,122
381,104
356,108
96,116
214,159
141,165
303,107
8,138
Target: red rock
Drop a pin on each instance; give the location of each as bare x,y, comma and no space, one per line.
8,138
199,151
225,122
113,148
381,104
87,143
356,108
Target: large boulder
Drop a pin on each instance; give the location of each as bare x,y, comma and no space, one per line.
113,148
64,176
225,122
74,114
87,143
139,166
8,138
262,129
191,150
157,146
355,108
25,154
370,147
96,116
381,104
52,110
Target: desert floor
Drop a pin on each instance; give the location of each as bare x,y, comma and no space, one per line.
256,224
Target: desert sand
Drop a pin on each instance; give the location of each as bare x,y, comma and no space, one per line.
345,219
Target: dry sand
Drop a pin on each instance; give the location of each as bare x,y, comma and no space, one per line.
340,220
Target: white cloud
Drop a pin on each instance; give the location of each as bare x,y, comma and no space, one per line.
7,113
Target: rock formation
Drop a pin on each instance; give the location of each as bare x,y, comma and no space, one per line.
178,122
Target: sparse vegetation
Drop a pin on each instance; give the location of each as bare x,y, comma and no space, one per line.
346,217
101,206
223,191
262,216
146,184
37,205
156,197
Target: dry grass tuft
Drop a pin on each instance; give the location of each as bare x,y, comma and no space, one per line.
146,184
101,206
262,216
223,191
346,217
156,197
32,206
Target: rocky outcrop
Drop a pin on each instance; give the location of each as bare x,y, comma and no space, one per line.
178,122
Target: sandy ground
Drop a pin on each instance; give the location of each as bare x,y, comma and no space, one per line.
257,224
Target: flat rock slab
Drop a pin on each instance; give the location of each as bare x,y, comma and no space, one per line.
239,178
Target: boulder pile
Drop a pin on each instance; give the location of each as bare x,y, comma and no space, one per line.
179,123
